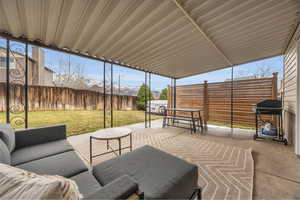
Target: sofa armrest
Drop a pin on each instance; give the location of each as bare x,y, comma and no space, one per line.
34,136
121,188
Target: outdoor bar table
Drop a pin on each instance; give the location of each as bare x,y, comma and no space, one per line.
189,110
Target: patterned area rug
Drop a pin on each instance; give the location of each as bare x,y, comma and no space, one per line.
225,172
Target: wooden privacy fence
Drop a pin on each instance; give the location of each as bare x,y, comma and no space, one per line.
215,99
61,98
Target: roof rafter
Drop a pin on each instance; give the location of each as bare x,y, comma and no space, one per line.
199,29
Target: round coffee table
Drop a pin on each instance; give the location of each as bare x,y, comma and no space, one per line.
111,134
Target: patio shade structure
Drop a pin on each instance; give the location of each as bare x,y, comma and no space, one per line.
174,38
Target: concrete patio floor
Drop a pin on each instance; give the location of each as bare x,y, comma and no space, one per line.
277,168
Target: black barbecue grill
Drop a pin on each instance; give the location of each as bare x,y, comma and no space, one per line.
269,107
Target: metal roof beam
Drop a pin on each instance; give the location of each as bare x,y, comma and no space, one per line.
199,29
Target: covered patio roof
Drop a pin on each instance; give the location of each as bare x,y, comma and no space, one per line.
174,38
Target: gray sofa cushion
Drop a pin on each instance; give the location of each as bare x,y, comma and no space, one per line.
86,183
4,153
40,135
7,134
159,175
65,164
39,151
120,188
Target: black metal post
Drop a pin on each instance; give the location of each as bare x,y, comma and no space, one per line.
104,94
145,95
111,96
231,101
149,104
26,85
174,92
174,97
7,81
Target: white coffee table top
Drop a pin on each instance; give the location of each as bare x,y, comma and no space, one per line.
111,133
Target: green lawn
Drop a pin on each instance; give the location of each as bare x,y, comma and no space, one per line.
79,122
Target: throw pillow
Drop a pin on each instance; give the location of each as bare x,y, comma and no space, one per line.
20,184
7,134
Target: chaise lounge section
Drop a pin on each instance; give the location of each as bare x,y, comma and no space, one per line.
148,172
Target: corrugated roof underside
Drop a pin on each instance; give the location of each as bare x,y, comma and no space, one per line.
157,36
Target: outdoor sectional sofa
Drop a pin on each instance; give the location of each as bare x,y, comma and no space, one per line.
147,172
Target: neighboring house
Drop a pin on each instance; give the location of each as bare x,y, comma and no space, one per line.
38,73
48,77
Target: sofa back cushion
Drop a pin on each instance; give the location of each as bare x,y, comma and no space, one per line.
20,184
4,154
7,134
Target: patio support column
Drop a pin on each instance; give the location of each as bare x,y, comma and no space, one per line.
174,92
205,104
171,94
7,81
26,85
231,100
104,96
149,104
145,99
174,96
111,96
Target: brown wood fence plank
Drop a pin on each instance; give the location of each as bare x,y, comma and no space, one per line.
54,98
215,99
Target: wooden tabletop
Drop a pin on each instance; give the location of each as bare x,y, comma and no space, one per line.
111,133
184,109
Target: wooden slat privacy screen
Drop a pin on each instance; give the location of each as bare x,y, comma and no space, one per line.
215,99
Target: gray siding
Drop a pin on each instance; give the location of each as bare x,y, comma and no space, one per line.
290,91
290,79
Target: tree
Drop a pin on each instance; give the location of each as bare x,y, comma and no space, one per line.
164,94
263,69
140,102
70,74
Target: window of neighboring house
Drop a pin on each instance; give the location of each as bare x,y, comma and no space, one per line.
12,63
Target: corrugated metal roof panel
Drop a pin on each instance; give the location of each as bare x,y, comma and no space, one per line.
174,38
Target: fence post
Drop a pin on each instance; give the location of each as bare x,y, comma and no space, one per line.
170,97
274,85
205,104
274,94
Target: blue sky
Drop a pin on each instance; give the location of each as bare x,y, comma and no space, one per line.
94,70
275,64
